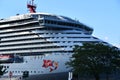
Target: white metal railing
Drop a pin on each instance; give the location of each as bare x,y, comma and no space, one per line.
15,34
20,29
20,37
26,46
32,50
22,42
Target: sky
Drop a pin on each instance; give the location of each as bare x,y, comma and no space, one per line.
102,15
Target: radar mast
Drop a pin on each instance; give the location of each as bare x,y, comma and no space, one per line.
31,6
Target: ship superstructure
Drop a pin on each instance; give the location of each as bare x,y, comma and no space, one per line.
40,43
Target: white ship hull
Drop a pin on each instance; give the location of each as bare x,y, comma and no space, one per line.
41,64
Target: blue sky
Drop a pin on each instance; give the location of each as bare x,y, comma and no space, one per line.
102,15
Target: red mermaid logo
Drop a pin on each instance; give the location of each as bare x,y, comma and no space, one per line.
52,65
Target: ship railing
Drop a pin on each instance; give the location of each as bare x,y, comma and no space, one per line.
18,24
22,29
30,51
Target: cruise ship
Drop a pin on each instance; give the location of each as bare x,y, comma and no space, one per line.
40,43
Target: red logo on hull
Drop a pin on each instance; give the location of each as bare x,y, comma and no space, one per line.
52,65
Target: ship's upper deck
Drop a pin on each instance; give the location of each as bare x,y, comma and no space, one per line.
47,18
39,15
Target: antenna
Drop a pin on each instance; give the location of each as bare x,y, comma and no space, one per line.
31,6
